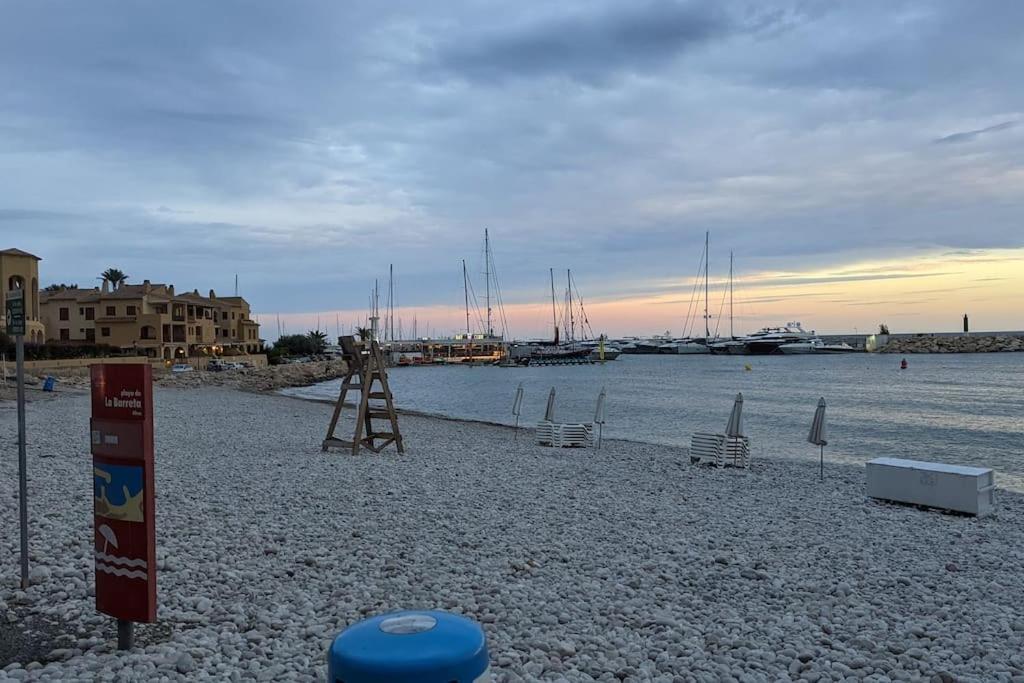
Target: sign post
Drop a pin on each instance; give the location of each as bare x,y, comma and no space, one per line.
124,533
14,318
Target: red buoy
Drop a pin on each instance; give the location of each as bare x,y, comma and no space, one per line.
903,364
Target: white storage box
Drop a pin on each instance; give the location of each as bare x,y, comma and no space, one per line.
949,487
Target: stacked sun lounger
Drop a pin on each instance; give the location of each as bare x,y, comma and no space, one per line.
565,434
720,450
545,432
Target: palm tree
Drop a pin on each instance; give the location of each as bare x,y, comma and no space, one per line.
114,276
364,333
318,340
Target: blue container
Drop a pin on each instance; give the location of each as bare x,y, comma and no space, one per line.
48,383
410,647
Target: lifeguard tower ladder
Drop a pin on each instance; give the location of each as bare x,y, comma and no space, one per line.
365,370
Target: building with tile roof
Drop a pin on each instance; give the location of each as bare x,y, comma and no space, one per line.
151,319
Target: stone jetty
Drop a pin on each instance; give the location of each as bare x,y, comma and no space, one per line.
954,344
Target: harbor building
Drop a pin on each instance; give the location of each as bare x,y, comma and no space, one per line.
20,270
151,319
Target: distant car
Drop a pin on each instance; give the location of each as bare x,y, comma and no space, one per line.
181,367
217,366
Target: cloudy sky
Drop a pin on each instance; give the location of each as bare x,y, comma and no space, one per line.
864,161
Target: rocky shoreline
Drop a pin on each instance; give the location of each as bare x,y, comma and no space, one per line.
957,344
269,379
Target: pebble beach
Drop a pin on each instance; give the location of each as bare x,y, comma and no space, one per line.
621,564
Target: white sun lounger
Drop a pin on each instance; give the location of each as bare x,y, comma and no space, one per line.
720,450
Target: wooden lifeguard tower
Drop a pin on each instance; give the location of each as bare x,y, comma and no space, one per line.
365,370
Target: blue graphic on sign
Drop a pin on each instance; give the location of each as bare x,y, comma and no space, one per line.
117,491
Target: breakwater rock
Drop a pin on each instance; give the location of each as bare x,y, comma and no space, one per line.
954,344
270,378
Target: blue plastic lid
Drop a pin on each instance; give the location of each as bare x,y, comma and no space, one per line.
425,647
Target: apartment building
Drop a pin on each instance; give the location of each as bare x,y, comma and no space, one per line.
20,270
152,319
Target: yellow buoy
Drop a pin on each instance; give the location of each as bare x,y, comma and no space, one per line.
747,367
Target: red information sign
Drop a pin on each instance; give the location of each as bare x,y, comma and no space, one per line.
123,509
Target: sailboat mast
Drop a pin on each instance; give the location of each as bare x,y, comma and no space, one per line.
707,329
731,332
487,277
572,318
554,313
391,299
465,291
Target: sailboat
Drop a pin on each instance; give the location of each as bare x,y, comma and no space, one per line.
688,345
486,347
732,345
570,350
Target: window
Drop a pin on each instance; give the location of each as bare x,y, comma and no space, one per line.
111,310
90,334
90,313
65,334
131,310
104,331
64,313
232,315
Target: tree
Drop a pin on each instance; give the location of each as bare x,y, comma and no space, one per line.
883,329
293,345
364,333
317,341
114,276
59,288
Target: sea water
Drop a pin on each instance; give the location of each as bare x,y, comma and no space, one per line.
956,408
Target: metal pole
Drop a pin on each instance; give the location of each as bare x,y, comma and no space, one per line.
554,315
487,277
707,322
572,319
465,293
22,471
125,634
822,466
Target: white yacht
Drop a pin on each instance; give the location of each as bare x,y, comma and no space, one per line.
769,339
814,346
684,347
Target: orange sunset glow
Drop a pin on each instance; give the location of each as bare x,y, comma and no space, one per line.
929,293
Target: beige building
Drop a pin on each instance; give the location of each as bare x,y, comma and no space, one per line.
20,270
151,319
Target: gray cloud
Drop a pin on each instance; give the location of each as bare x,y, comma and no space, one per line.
288,142
967,136
589,43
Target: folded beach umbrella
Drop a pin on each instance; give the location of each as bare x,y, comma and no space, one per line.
549,412
599,415
817,435
517,406
735,427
